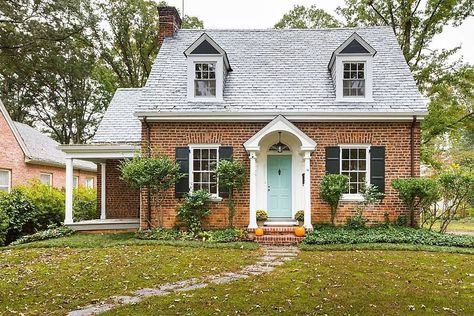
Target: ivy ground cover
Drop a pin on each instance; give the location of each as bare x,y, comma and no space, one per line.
53,277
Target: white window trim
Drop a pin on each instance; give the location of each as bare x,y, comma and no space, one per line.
9,186
50,178
357,197
214,197
219,61
368,76
87,181
78,184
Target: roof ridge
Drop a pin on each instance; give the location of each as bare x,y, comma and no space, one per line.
287,30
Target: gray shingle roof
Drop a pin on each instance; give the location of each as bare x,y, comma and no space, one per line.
119,125
43,149
282,70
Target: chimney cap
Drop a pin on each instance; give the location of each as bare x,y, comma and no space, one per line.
169,10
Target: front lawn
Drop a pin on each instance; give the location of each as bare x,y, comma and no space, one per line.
335,283
461,225
55,276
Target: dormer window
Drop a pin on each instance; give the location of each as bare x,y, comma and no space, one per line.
351,70
353,82
208,66
205,80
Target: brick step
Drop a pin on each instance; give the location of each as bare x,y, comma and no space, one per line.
276,230
288,239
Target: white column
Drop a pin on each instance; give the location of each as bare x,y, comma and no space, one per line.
253,191
102,191
307,190
69,189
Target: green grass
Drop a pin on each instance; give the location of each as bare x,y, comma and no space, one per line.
54,276
335,283
459,226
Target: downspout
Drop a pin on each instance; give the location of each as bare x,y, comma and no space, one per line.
148,151
412,147
412,162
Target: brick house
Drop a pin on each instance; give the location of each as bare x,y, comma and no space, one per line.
27,154
292,105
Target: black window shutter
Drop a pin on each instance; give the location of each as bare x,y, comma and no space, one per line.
182,158
377,167
225,153
332,160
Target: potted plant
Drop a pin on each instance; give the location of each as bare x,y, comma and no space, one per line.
262,216
299,216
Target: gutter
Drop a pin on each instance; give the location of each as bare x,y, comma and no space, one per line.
147,125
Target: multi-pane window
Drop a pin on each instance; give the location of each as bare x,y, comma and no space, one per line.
46,178
354,165
205,79
204,164
89,183
353,82
75,182
5,184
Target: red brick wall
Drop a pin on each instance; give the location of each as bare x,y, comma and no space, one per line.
394,136
12,158
122,201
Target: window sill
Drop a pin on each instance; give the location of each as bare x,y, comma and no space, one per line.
352,198
216,199
347,99
211,100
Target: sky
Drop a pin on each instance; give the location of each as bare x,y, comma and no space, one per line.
251,14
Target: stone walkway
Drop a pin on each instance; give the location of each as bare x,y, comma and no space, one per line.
273,256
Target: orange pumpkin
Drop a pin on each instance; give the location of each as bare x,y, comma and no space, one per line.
259,232
299,231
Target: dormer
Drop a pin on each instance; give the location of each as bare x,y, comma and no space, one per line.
207,68
351,70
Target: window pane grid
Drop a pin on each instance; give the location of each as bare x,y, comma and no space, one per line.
354,165
4,180
205,80
204,176
353,82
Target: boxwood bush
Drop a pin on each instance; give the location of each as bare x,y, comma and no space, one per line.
395,235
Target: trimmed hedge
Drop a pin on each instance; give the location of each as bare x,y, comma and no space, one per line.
394,235
211,236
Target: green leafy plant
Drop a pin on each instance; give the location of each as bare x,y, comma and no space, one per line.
223,236
231,175
332,188
21,213
401,220
3,224
386,218
299,216
417,194
195,208
262,215
84,204
161,233
356,221
157,174
50,233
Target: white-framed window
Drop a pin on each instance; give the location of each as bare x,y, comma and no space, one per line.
5,180
355,163
205,79
203,162
90,183
353,80
46,178
75,182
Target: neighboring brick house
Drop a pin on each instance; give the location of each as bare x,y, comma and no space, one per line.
292,105
27,154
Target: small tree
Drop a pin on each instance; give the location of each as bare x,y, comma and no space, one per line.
196,206
416,193
231,175
333,186
158,174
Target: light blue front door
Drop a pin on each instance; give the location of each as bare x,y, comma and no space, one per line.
279,186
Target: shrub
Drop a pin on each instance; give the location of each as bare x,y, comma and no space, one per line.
402,220
262,215
231,175
396,235
21,214
54,232
416,193
163,234
223,236
85,204
356,221
332,188
158,174
3,225
299,216
195,208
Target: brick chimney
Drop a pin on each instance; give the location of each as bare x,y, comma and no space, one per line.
170,22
